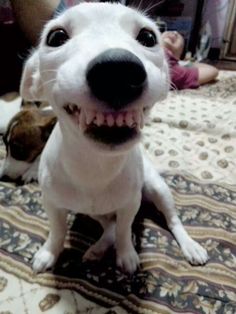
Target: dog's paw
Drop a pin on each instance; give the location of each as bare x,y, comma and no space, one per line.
128,260
194,253
30,175
43,260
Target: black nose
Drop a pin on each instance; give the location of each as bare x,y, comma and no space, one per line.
116,77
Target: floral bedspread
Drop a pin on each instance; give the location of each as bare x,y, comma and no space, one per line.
191,138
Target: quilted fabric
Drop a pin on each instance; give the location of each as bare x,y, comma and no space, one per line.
191,138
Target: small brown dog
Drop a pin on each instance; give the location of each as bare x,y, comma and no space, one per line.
25,138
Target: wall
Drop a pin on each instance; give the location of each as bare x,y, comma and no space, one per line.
215,12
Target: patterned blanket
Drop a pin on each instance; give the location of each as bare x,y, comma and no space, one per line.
191,137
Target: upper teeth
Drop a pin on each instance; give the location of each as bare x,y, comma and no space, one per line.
130,118
70,108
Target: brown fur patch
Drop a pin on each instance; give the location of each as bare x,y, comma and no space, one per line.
27,134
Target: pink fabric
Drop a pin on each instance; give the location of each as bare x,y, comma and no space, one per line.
181,77
6,15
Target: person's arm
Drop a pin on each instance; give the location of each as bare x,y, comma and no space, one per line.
31,15
206,73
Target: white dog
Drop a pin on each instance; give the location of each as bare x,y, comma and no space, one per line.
102,67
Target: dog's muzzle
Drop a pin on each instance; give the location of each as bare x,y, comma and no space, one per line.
116,77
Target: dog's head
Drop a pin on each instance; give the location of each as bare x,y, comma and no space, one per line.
102,67
25,138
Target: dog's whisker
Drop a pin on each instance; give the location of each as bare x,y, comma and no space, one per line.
140,5
152,6
171,84
123,2
47,82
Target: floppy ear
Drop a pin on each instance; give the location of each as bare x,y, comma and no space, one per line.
31,84
47,127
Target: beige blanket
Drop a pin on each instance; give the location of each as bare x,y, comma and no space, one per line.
191,137
194,131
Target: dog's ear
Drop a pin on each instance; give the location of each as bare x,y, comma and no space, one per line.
31,84
47,127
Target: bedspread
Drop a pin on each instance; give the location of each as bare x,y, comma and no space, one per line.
191,137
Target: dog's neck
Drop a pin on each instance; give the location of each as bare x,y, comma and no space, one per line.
81,156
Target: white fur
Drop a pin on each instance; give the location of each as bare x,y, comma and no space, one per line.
79,174
14,169
31,173
8,109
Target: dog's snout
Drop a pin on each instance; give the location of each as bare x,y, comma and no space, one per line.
116,77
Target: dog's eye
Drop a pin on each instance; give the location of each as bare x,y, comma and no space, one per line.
18,152
147,38
57,37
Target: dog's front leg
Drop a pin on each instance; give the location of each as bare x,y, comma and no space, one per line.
157,191
47,255
97,250
126,256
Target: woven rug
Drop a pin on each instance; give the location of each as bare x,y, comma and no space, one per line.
191,138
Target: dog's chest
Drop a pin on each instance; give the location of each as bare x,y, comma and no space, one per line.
89,185
91,201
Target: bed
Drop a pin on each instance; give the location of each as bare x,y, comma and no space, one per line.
191,138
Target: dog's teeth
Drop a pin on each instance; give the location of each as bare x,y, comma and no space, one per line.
100,119
119,120
73,108
77,116
76,109
90,116
137,117
85,118
94,121
110,120
67,109
129,119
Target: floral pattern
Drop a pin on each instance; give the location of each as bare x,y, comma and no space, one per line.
165,278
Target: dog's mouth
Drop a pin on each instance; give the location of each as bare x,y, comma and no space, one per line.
107,127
